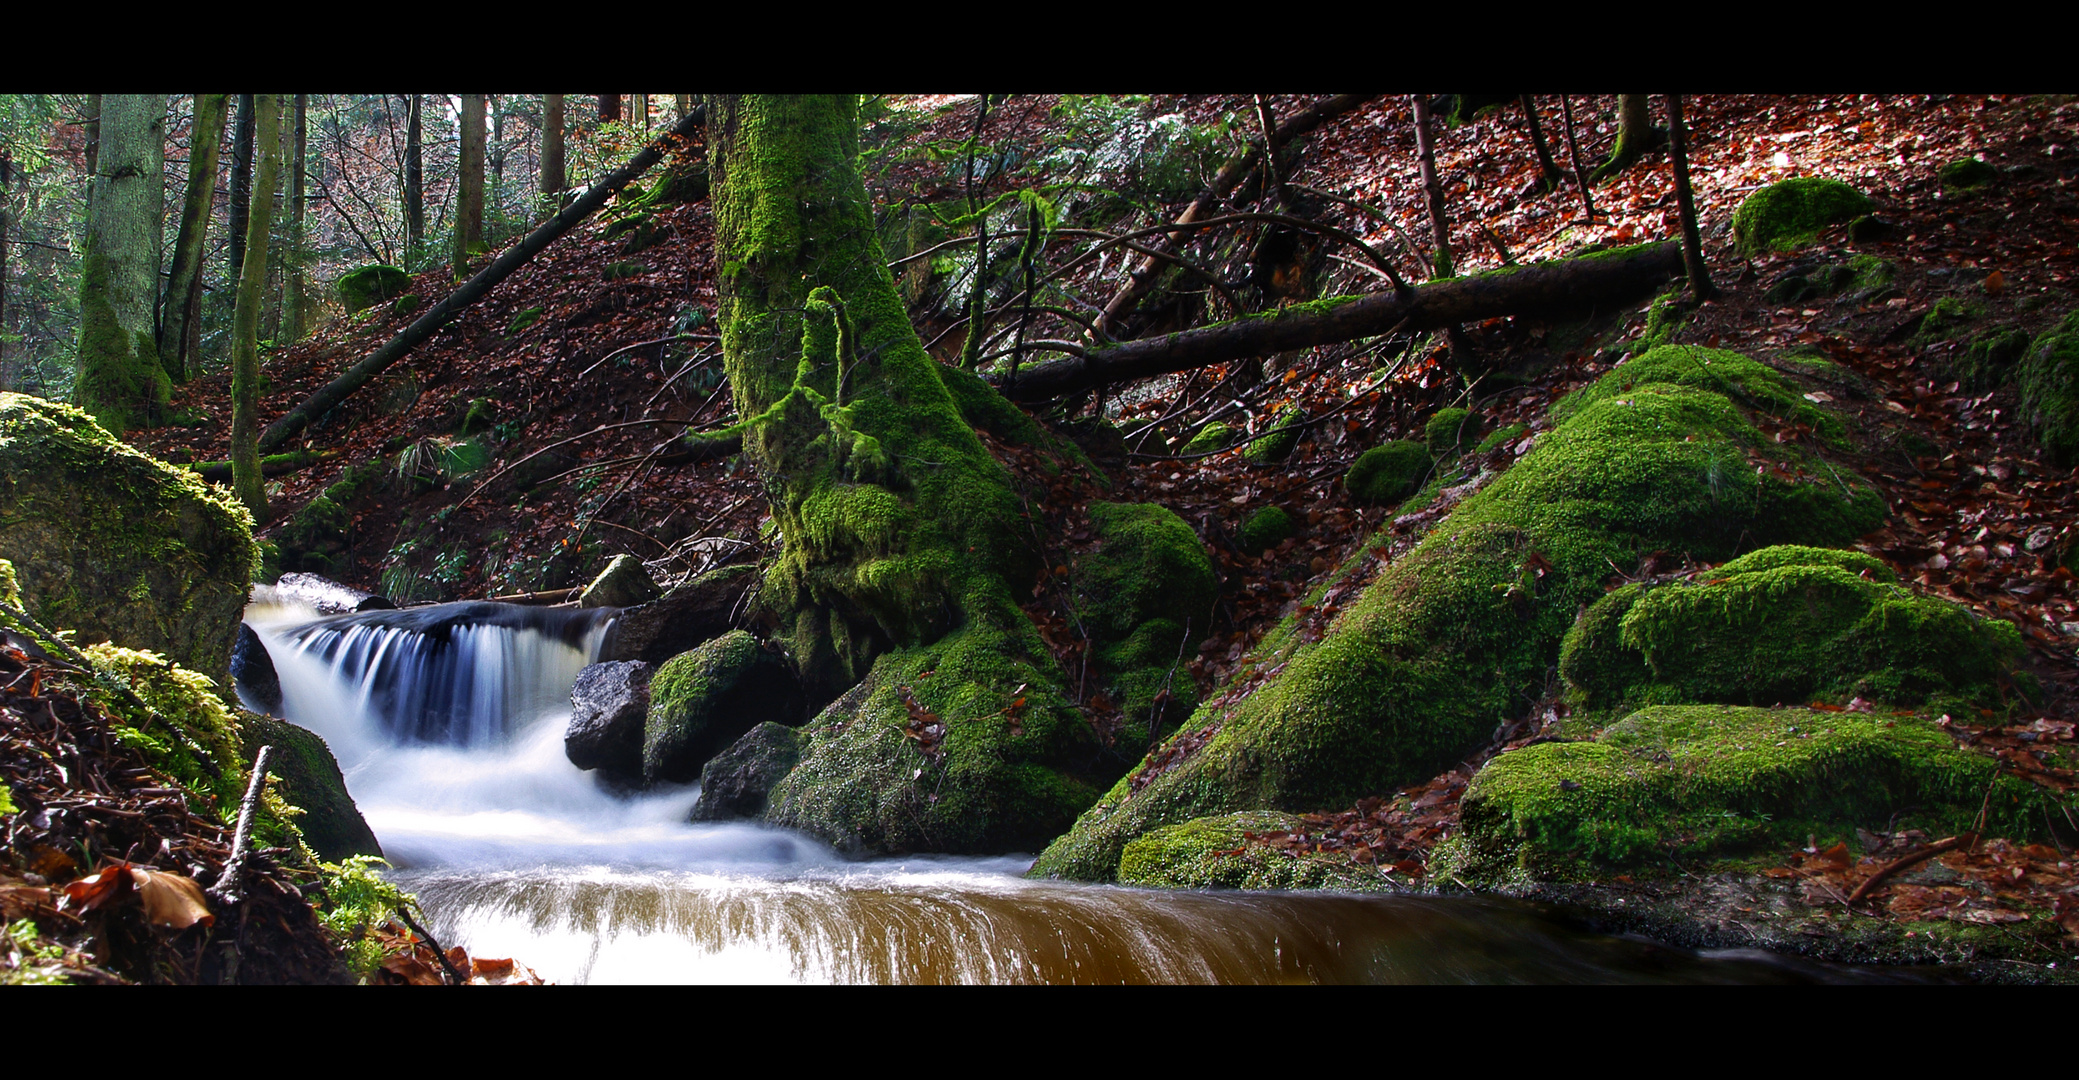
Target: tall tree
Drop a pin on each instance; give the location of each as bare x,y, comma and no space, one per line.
414,179
1548,170
1432,189
298,287
6,174
121,380
1700,287
241,182
552,181
180,314
246,481
469,203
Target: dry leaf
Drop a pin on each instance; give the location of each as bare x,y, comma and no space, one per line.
170,899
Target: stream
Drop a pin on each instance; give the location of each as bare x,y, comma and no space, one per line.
448,723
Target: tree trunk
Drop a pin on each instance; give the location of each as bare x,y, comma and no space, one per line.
414,181
1566,285
241,182
1692,238
246,481
182,308
609,108
903,538
1636,135
552,183
1573,150
1432,190
6,175
685,104
121,380
295,260
1548,170
469,205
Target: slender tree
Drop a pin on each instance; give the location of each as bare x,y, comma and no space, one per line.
180,314
469,204
1548,170
552,182
6,174
414,180
1700,287
241,182
121,380
1636,136
1573,150
246,481
1432,189
295,259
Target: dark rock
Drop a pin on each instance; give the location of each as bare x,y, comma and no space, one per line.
252,673
692,613
310,779
1099,439
607,707
703,700
737,781
623,583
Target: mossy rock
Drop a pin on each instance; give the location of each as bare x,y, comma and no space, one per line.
1754,385
737,782
1265,529
1213,436
1388,473
1453,637
1947,319
1863,277
1790,214
1277,445
1664,319
481,416
1989,358
117,545
1501,437
366,286
2049,380
622,271
703,700
310,780
1964,174
316,537
1701,781
1450,431
1216,853
623,583
1784,624
1145,595
523,319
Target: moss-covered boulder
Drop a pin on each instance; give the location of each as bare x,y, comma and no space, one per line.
1784,624
737,782
1989,357
1753,385
1790,214
623,583
1218,853
1278,441
366,286
117,545
1213,436
1700,781
1501,437
1453,638
311,781
1947,319
1388,473
1145,596
705,699
1964,174
1265,529
1450,431
2049,380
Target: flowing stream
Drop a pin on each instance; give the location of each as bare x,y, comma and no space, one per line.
448,722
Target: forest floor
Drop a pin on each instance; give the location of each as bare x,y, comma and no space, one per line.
1979,515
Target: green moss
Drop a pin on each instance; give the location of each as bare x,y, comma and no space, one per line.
365,286
1753,385
1450,431
317,535
1387,473
309,778
1502,437
1966,173
1265,529
1214,436
1216,853
2049,380
1145,595
1458,635
621,271
1700,781
1279,441
983,406
1664,319
1946,319
523,319
1791,213
1990,357
405,306
1784,624
689,720
121,382
10,588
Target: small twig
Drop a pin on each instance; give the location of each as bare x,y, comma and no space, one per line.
456,978
1900,863
229,888
640,344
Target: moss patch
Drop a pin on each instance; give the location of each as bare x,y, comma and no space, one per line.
2049,379
1213,436
1388,473
1698,781
1216,853
1280,440
1265,528
1947,319
1501,437
1964,174
1145,595
1753,385
1450,431
705,699
365,286
1791,213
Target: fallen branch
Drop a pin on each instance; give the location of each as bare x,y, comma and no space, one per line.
271,465
230,885
1564,285
550,596
332,393
1898,864
455,978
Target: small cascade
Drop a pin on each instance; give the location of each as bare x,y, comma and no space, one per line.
465,674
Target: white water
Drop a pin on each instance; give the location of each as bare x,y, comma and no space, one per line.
515,852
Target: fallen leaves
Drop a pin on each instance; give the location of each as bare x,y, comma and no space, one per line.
169,900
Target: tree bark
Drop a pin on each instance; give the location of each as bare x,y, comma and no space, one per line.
1636,135
246,481
1568,285
241,182
1145,273
469,293
1700,287
469,204
1548,170
121,381
298,287
414,180
609,108
1432,190
552,183
180,314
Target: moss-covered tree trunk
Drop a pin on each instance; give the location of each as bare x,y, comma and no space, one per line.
246,481
241,182
552,182
903,538
121,381
180,314
296,286
469,203
1636,135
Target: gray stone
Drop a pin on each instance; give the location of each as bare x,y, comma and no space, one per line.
736,782
624,583
689,615
607,707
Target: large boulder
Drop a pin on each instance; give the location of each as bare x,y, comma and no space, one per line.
117,545
1790,214
311,781
689,615
366,286
609,705
703,700
2049,378
1145,596
737,782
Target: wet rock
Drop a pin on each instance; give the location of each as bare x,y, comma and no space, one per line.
309,778
703,700
607,706
623,583
736,783
692,613
252,672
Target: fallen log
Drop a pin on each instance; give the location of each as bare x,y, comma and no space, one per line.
271,465
1559,286
332,393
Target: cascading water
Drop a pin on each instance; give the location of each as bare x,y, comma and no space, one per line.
448,723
